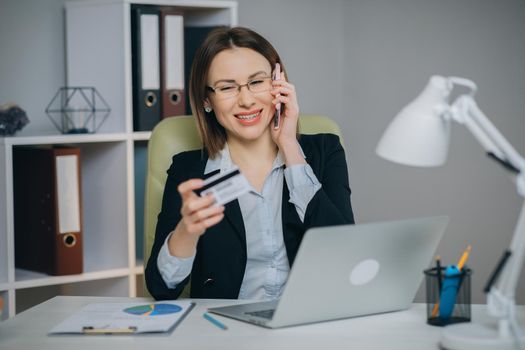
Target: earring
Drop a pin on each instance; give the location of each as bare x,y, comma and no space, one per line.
207,109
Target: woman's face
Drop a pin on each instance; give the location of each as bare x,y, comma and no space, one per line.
245,115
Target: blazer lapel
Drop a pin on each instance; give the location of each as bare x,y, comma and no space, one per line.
232,212
292,225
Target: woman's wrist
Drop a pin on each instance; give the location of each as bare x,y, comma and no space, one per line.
181,243
291,152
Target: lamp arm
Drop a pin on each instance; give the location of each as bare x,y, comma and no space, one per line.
501,296
464,82
510,275
466,111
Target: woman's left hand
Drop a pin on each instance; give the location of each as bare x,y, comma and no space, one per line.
284,93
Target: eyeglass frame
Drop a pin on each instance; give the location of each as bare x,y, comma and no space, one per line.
240,86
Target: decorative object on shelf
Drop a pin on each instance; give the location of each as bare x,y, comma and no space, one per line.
77,110
12,119
419,136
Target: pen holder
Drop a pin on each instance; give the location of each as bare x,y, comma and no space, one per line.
448,297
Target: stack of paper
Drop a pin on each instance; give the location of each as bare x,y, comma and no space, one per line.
104,318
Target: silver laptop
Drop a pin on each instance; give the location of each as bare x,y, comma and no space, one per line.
350,270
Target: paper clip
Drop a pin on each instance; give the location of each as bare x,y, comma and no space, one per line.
93,330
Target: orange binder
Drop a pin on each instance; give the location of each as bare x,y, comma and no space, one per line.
47,210
172,62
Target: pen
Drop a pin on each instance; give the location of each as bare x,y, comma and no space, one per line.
215,321
438,271
451,285
464,258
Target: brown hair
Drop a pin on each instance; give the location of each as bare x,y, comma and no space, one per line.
212,133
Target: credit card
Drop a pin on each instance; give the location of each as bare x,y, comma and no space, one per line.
225,187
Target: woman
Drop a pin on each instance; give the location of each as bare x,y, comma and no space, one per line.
245,248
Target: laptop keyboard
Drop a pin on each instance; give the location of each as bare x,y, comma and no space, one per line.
268,314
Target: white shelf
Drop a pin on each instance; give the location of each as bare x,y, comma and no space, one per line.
139,269
98,50
141,135
31,279
62,139
187,4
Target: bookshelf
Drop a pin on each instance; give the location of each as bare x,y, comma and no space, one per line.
98,53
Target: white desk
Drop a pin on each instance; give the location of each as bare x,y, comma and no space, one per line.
398,330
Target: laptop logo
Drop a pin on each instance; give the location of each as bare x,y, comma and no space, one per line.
364,272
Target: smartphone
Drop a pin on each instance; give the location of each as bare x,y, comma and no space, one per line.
277,116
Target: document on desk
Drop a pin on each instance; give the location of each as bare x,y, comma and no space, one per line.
125,318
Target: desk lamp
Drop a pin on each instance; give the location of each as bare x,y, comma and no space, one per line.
419,136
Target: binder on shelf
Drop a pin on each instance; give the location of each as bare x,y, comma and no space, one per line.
145,61
47,210
172,62
194,37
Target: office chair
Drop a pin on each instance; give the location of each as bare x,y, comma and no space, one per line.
178,134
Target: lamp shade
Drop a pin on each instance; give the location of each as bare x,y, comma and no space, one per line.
419,135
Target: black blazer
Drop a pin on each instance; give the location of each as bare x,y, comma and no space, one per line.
220,261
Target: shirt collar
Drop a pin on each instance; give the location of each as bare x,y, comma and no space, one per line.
223,161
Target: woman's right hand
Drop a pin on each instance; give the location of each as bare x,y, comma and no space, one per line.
198,214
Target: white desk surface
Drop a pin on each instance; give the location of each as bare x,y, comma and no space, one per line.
397,330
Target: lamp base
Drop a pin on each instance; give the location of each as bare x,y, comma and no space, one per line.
467,336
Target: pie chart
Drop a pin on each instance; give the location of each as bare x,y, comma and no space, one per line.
153,309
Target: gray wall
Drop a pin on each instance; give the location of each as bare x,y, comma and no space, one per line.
359,62
391,48
32,56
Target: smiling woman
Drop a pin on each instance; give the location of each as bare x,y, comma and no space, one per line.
296,181
237,108
230,58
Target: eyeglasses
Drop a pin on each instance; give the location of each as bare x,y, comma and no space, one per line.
229,90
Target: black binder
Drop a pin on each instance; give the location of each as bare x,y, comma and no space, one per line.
193,39
145,59
47,210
